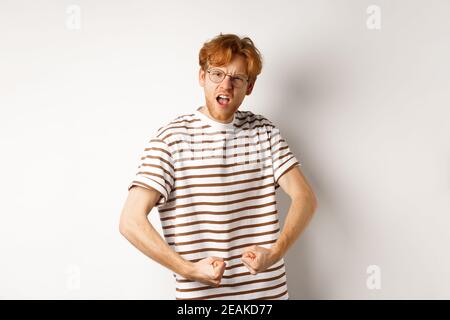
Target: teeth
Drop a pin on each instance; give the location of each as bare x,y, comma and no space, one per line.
223,97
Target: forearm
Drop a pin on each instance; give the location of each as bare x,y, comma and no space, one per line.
300,213
145,238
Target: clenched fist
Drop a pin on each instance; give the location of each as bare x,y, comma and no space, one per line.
257,259
208,271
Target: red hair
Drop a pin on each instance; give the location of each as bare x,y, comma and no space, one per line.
221,50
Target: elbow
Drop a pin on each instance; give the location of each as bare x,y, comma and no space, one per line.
130,224
124,225
309,200
122,228
313,200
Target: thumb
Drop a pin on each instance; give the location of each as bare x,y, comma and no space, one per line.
219,264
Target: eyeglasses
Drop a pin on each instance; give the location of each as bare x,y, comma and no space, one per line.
217,76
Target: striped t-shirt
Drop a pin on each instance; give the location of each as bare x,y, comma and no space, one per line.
217,183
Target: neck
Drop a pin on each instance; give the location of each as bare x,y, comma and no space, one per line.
206,112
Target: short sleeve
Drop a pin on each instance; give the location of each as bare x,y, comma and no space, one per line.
156,169
282,157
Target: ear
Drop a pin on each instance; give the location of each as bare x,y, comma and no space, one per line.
250,87
201,77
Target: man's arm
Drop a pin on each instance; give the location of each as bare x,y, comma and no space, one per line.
303,205
301,210
136,228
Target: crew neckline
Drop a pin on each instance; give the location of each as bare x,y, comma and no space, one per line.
216,124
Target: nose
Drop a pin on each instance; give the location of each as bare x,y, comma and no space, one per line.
226,82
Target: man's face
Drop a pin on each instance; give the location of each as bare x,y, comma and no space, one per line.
224,112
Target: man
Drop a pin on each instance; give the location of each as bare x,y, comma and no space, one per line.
212,175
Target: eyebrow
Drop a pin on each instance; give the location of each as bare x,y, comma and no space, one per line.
234,74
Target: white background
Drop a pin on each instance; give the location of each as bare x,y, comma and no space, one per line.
365,110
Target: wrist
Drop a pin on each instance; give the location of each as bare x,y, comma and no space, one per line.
276,253
187,269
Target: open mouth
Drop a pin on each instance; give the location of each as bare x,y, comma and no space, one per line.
223,100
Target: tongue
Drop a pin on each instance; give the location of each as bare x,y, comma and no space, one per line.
222,101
